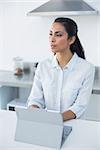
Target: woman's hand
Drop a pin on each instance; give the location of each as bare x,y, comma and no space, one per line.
67,115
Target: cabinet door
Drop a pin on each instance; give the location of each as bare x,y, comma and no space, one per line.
6,95
93,110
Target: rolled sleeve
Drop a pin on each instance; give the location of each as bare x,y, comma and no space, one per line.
83,97
36,96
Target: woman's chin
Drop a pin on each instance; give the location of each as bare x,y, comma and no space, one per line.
54,51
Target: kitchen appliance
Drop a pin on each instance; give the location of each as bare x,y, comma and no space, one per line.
63,7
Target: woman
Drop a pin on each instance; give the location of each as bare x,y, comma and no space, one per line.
63,83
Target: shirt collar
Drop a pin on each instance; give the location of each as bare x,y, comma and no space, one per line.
55,62
69,65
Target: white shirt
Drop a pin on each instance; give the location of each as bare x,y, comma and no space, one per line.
63,89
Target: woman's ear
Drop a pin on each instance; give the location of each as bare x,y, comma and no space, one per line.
72,39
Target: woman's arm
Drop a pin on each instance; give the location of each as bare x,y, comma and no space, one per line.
82,99
36,98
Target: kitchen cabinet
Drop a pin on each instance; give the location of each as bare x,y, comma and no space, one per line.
14,90
6,95
93,110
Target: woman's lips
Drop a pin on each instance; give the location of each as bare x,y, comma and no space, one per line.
53,46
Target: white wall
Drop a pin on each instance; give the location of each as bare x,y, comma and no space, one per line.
1,32
27,36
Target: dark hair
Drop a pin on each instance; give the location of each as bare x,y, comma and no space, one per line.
72,29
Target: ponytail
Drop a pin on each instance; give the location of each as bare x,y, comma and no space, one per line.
77,47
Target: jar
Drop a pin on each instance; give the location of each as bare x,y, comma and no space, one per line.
18,66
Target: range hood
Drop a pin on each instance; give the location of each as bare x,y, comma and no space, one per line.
62,8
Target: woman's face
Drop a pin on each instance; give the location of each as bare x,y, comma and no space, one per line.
58,38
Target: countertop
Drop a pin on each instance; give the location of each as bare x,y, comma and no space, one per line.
85,134
7,78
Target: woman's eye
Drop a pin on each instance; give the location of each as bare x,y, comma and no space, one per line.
50,34
59,34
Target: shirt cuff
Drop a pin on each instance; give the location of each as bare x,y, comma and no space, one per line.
35,102
78,111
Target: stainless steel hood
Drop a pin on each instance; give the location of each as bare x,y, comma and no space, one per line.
63,7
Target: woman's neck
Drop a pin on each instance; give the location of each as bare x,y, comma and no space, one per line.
64,58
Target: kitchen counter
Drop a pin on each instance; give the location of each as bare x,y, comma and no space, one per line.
7,78
85,134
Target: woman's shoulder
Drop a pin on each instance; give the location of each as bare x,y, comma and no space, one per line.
46,62
86,65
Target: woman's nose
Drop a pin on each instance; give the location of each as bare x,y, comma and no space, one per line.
52,39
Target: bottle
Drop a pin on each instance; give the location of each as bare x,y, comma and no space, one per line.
18,66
